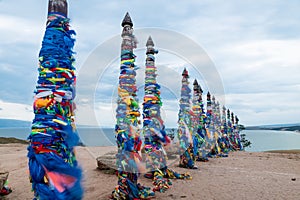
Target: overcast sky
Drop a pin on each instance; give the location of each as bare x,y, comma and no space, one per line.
252,47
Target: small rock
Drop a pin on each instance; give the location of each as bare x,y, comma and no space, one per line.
293,179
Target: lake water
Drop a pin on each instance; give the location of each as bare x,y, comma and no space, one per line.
89,136
262,140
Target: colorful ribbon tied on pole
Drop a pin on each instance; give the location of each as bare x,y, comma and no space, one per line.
187,157
154,129
197,123
127,134
54,171
202,153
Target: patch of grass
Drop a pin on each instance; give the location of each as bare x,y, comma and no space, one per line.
9,140
293,151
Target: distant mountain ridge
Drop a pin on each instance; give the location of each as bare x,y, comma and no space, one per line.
279,127
13,123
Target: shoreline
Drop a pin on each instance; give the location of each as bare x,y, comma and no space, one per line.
14,140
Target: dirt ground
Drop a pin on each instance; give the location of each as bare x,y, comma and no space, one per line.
242,175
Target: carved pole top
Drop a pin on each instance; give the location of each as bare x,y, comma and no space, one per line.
58,6
127,20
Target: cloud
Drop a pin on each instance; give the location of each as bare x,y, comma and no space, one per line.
260,66
19,30
254,46
265,108
16,111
